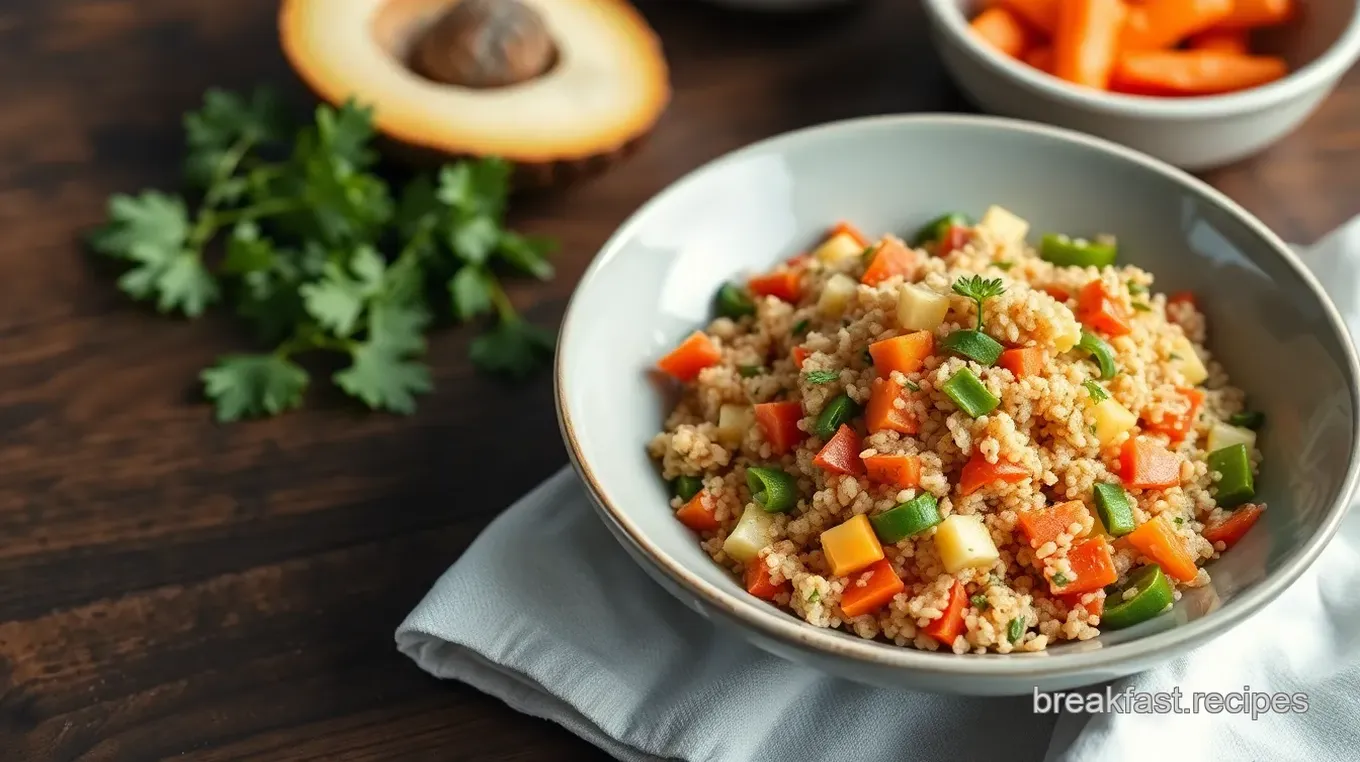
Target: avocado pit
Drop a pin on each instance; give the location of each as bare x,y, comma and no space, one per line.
483,44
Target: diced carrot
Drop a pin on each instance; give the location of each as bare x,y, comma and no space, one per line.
694,354
1040,14
1073,600
1249,14
850,230
1178,425
881,413
955,237
950,624
697,514
1086,41
1022,362
800,355
1147,465
782,284
978,473
1002,30
881,583
1158,540
798,260
758,580
840,454
1222,40
1158,24
1099,309
1193,72
1040,57
1092,563
779,422
1228,531
1183,297
891,258
1058,292
904,354
1045,524
902,471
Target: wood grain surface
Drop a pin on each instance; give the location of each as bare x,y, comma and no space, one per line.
175,589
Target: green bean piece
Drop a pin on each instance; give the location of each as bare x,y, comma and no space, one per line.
1153,597
1114,508
975,345
838,411
750,371
686,487
1248,419
1077,252
733,301
907,519
1235,485
935,229
1101,351
969,393
772,489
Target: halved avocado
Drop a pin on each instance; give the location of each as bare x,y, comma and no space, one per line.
562,88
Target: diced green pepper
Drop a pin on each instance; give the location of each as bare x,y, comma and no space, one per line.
733,301
838,411
907,519
750,371
975,345
969,393
772,489
1101,351
935,229
1079,252
686,487
1153,597
1248,419
1114,508
1235,485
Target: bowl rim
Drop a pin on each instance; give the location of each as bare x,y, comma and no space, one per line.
1332,63
777,625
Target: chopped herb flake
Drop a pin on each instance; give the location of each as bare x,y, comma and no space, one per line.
1097,393
821,376
1173,356
979,290
800,327
814,596
1061,580
1015,629
1179,521
1003,265
912,385
980,602
868,358
1137,289
750,371
1141,307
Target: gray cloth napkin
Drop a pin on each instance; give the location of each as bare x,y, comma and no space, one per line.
584,638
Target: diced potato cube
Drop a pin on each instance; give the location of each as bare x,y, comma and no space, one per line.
1067,336
1112,419
1185,358
964,542
750,535
836,294
733,422
919,308
1226,435
1003,225
851,546
839,249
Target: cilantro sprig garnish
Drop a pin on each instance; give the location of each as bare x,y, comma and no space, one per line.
979,290
296,232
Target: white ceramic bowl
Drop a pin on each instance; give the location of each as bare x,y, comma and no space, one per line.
654,280
1193,133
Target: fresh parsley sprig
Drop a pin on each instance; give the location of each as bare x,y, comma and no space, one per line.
311,248
979,290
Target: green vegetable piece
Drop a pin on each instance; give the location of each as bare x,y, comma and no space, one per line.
1096,391
1153,597
1248,419
907,519
1235,485
1077,252
1114,508
979,602
686,487
820,377
1015,629
1101,352
772,489
838,411
750,371
935,229
800,327
968,392
975,345
733,301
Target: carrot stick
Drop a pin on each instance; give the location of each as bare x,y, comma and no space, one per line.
1222,40
1086,41
1160,24
1002,30
1193,72
1249,14
1040,14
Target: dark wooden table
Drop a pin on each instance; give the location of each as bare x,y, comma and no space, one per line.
170,588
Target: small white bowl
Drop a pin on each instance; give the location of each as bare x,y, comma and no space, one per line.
1193,133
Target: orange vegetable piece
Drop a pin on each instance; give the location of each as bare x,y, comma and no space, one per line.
781,284
850,230
1073,600
955,237
1157,540
950,624
1229,530
1178,425
1249,14
1160,24
758,581
1183,297
1147,465
1026,361
1002,30
840,455
798,260
697,514
1098,309
878,589
1086,41
1041,58
896,470
1043,525
1222,40
694,354
1057,292
1092,563
779,422
881,414
800,355
891,258
1193,72
978,473
905,354
1040,14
